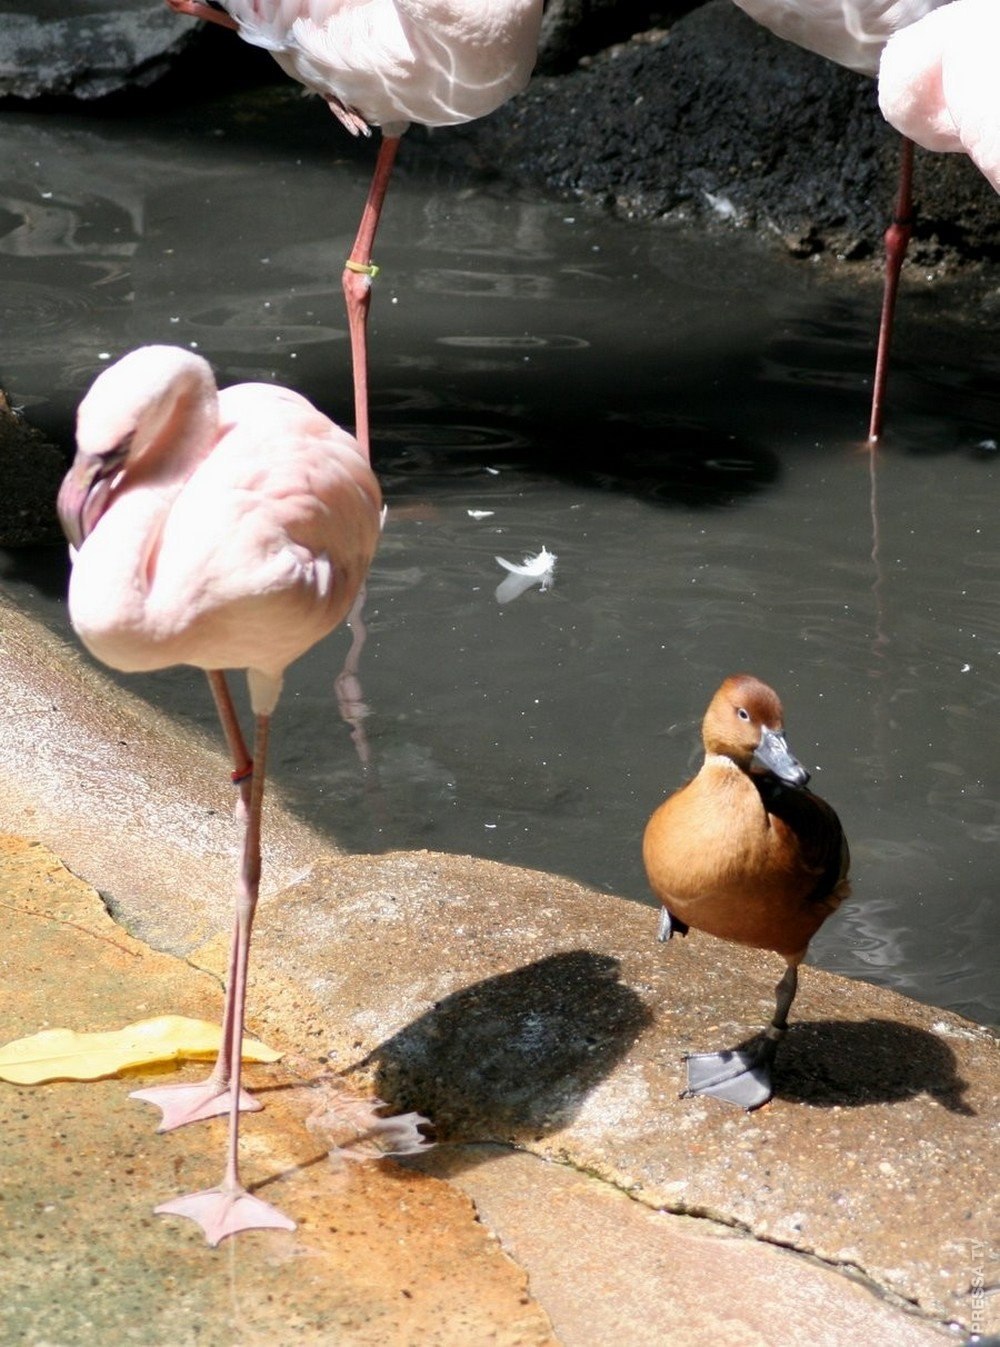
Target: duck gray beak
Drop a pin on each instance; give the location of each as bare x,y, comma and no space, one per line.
772,755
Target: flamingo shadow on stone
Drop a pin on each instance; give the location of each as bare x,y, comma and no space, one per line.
517,1053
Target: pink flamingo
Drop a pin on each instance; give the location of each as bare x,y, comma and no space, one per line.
853,33
388,63
227,529
938,83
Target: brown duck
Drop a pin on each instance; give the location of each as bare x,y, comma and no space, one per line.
745,852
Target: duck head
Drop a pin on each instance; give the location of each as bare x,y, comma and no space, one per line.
744,722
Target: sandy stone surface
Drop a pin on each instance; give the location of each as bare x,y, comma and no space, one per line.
466,1244
140,806
516,1006
610,1270
382,1255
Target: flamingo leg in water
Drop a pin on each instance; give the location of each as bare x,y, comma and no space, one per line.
357,284
897,238
229,1208
209,1098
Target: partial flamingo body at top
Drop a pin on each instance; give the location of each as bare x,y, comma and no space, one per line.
850,32
388,63
939,83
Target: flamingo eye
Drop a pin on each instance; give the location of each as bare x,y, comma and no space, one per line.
743,713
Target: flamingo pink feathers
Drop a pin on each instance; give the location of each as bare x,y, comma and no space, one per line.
222,530
938,83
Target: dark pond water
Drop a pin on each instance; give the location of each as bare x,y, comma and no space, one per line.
677,420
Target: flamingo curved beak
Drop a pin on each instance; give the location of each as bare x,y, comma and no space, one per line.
85,492
772,755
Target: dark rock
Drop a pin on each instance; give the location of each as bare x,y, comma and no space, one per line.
575,29
88,49
716,117
31,470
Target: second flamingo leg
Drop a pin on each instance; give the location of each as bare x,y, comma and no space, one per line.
229,1207
897,240
187,1103
357,283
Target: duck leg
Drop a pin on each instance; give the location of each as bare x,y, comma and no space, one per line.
743,1077
669,926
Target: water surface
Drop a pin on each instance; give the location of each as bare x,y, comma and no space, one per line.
677,419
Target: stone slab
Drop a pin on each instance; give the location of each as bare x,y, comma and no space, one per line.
611,1270
382,1257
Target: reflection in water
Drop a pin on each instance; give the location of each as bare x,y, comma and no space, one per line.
678,421
352,706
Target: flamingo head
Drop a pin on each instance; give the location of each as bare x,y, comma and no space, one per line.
87,489
131,420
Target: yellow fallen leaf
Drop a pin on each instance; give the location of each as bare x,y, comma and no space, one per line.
63,1054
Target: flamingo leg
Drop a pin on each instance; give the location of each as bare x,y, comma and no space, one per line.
743,1077
198,9
229,1208
357,285
187,1103
897,239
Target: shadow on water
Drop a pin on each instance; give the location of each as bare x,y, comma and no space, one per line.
674,464
519,1052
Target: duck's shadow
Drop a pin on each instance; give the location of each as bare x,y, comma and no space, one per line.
514,1057
854,1063
515,1054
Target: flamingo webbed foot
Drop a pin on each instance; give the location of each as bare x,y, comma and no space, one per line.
225,1211
183,1104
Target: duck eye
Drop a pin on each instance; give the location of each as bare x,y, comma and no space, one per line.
743,713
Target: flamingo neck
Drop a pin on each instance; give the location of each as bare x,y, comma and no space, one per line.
112,587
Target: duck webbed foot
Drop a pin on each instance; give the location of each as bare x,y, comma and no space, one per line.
740,1076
